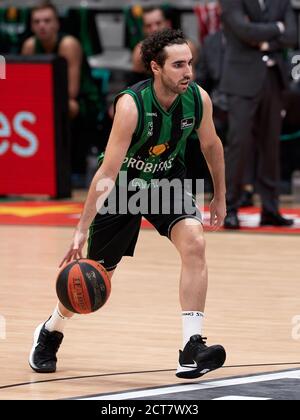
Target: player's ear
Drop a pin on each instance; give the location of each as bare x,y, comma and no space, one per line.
154,67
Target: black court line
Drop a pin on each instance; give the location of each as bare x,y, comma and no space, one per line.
105,375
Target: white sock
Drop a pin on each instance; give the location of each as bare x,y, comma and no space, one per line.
192,324
57,322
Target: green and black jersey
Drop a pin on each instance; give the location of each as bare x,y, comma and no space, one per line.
158,145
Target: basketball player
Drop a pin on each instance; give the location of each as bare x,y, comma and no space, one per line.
152,122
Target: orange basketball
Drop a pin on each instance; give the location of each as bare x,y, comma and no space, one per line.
83,286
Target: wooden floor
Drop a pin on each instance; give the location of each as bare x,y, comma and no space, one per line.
252,301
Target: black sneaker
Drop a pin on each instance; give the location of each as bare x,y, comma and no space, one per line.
42,357
231,220
197,359
275,219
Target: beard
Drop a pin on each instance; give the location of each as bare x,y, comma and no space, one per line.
173,87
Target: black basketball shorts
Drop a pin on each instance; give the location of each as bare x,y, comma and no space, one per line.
114,233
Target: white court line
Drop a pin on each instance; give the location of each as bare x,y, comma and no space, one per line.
240,398
195,387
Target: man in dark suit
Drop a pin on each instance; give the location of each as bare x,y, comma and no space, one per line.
254,77
208,76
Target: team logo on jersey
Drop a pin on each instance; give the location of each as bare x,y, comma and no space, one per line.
159,149
187,123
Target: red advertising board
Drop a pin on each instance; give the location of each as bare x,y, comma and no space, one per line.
27,130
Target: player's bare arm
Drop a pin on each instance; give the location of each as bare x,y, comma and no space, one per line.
71,50
213,152
124,125
28,46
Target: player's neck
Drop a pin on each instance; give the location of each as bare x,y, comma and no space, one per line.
49,44
164,96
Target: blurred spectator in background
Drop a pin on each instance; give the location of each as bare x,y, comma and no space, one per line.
154,19
48,40
208,15
84,96
254,77
14,27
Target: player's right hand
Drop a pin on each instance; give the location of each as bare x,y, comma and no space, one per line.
75,251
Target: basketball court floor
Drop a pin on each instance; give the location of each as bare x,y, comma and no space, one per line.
129,348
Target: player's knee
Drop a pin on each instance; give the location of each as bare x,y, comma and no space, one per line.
193,249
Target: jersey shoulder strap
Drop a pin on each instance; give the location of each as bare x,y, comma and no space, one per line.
198,104
136,92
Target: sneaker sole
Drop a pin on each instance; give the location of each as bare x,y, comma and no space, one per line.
35,341
203,368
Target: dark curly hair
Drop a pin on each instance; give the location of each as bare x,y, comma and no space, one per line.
153,47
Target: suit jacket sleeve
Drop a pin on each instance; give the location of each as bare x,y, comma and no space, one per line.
233,16
289,38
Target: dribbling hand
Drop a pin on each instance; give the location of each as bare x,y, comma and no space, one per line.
75,251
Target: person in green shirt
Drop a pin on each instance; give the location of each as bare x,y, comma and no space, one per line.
146,148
